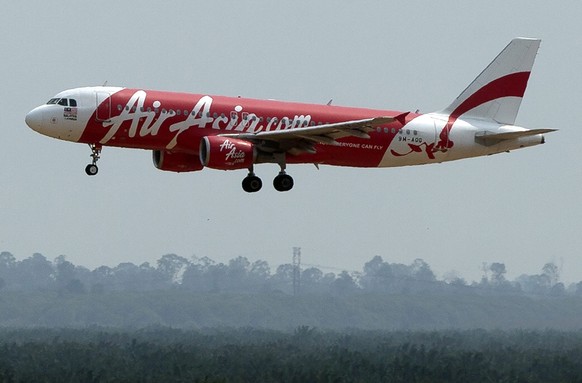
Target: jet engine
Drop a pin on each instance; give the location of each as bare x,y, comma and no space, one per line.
225,153
176,161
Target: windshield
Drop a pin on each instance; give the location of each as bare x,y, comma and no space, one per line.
62,101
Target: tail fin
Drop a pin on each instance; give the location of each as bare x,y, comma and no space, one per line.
497,92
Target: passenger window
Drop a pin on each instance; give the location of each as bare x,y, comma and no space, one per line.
72,102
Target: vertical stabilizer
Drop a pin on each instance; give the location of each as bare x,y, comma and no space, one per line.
497,92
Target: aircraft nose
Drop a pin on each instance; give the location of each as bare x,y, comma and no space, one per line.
34,119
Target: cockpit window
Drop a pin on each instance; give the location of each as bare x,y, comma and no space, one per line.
62,101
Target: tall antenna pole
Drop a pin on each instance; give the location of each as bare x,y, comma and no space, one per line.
296,270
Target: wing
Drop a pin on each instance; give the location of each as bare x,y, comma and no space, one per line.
300,140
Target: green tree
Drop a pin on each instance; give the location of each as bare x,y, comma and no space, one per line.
344,284
311,280
7,267
75,286
377,276
217,277
552,271
497,273
259,275
421,271
35,273
65,273
172,267
7,260
238,270
261,269
283,278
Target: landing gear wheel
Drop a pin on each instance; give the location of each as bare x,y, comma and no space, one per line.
252,184
283,182
91,169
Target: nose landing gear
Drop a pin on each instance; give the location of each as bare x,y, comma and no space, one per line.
92,168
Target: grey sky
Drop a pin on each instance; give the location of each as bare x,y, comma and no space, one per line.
522,208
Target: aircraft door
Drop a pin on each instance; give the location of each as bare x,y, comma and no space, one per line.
103,100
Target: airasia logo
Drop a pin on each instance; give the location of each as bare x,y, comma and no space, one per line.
233,155
147,122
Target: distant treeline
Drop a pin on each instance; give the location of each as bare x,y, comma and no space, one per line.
304,355
37,273
200,293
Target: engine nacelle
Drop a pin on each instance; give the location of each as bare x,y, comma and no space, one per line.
176,162
225,153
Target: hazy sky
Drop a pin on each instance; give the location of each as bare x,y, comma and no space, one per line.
522,208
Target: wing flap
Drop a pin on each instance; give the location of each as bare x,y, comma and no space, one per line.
297,140
302,139
355,128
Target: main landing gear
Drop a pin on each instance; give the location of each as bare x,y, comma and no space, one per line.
92,168
252,183
283,182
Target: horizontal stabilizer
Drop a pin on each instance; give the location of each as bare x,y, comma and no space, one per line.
490,138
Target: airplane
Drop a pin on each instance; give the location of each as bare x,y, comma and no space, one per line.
187,132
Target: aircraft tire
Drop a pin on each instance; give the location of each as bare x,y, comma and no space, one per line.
252,184
283,182
91,169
